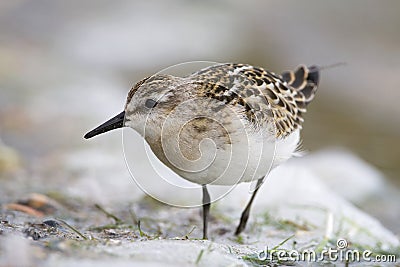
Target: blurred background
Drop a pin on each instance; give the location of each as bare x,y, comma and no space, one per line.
66,66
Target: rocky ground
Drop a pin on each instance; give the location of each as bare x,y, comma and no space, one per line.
48,221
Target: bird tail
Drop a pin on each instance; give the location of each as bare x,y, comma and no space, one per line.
303,79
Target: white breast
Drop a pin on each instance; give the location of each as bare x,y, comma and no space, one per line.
242,161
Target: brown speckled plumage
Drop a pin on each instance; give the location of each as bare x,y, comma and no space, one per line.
263,96
262,93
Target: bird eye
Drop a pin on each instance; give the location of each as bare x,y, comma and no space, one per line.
150,103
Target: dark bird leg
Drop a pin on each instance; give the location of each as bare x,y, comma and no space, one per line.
246,212
206,210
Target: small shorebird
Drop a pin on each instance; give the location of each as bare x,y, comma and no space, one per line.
222,125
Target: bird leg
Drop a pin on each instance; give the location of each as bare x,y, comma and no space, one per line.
206,210
246,212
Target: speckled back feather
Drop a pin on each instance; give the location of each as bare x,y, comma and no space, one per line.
262,94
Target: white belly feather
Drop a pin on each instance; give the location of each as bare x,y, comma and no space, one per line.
243,161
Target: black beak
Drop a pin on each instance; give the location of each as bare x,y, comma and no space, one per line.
111,124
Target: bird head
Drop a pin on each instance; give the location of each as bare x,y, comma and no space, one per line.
148,104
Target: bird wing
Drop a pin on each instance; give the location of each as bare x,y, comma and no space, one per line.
263,95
